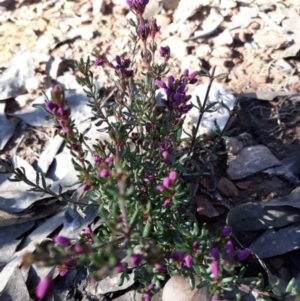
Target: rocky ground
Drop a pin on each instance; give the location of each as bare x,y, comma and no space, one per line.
256,43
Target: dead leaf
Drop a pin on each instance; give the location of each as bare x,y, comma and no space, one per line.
204,207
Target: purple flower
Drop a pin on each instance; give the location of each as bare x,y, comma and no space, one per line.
143,31
62,241
44,287
86,187
188,261
214,267
214,253
119,267
88,230
97,159
167,203
136,259
104,173
164,52
146,297
242,255
178,255
118,60
196,245
227,230
186,108
170,81
173,175
168,183
192,78
149,176
65,269
166,154
138,6
74,146
178,98
160,187
160,84
51,106
109,160
151,287
128,73
99,62
159,268
79,248
229,248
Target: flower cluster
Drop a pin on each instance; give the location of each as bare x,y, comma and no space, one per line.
168,184
229,257
138,6
175,92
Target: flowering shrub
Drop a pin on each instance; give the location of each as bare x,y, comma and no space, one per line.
136,179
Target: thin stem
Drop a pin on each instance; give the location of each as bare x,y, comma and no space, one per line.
211,79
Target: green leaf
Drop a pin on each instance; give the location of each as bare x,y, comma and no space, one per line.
147,229
290,286
192,281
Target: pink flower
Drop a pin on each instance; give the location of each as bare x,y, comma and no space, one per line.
44,287
173,175
188,261
109,160
88,230
167,182
159,268
104,173
160,187
136,259
196,245
151,287
214,267
62,241
167,203
86,187
146,297
119,267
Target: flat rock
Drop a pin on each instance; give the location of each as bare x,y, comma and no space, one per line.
178,288
227,188
12,81
251,160
224,38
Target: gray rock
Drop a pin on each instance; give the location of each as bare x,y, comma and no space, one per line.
12,81
251,160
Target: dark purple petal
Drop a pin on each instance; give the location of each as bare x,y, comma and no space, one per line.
214,253
181,88
226,231
178,255
51,106
171,80
242,255
118,60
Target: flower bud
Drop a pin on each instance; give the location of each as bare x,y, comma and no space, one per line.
173,175
160,187
104,173
167,203
136,259
86,187
167,182
242,255
226,231
188,261
146,297
214,267
214,254
44,287
58,96
178,255
62,241
51,106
